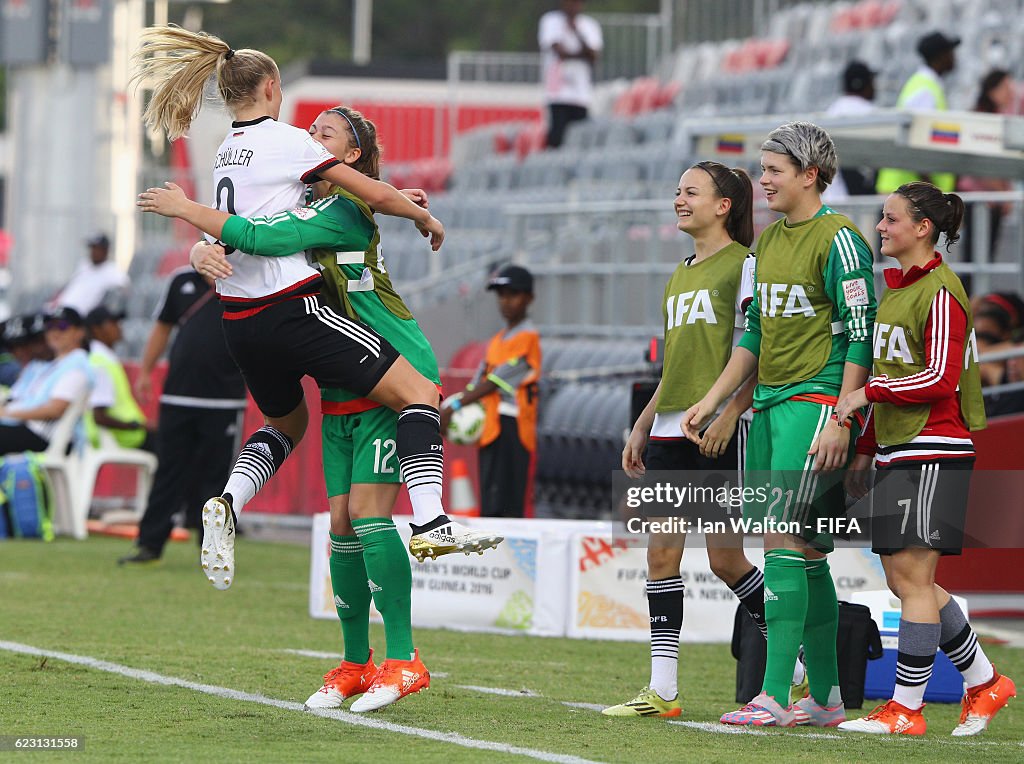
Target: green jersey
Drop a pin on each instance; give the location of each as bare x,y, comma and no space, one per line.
340,232
700,309
813,308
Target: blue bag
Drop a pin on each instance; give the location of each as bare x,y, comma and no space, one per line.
29,499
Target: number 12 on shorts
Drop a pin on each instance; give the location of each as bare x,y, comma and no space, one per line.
383,456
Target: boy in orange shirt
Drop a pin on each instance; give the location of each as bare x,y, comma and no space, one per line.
506,386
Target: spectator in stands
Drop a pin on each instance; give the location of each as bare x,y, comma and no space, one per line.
93,278
997,327
24,336
924,92
506,385
113,405
27,420
201,409
997,94
858,98
570,43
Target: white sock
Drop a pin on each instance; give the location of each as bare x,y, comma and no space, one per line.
664,677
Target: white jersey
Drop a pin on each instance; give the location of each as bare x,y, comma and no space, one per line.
262,168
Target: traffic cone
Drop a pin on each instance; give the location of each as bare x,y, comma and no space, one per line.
463,501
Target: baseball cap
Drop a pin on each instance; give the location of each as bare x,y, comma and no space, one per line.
935,43
101,314
98,240
857,76
513,277
23,328
65,315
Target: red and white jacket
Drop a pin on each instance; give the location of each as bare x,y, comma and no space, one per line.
945,435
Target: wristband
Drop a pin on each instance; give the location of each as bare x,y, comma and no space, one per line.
844,423
456,403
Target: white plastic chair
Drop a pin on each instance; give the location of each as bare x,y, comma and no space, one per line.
111,452
62,468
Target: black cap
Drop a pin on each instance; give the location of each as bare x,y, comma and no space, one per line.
857,76
65,314
23,328
931,45
101,314
514,277
98,240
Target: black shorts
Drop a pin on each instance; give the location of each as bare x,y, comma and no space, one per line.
279,345
916,504
682,454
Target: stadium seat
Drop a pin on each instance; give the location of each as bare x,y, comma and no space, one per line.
110,452
62,464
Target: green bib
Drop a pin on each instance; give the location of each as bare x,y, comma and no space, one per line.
796,309
699,311
898,350
358,284
125,409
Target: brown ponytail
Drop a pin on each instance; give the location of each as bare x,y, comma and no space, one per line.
736,186
945,211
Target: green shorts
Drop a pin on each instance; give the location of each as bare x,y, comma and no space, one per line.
360,448
793,497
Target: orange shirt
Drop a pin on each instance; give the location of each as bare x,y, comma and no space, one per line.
509,349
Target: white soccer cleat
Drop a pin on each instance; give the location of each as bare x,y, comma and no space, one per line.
218,553
451,537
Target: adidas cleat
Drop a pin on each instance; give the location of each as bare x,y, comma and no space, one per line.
647,703
762,711
346,681
983,702
394,680
809,713
448,538
889,719
217,556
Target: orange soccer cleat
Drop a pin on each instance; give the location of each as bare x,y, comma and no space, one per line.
981,703
343,682
889,719
395,679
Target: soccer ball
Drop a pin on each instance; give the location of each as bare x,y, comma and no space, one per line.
466,425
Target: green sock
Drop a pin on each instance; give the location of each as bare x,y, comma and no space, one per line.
820,634
351,596
390,577
785,608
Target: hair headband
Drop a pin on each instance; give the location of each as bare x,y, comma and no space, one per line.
350,124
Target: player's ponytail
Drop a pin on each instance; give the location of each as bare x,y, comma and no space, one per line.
945,211
365,139
177,64
736,186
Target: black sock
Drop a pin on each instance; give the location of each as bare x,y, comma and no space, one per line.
750,591
421,456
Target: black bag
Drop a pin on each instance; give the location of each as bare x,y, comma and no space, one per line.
857,642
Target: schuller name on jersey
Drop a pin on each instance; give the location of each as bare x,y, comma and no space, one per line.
784,300
233,158
689,308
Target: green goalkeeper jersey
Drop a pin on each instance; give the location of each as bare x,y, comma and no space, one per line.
342,237
813,308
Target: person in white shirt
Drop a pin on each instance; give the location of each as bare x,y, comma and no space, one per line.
92,279
570,44
28,420
858,98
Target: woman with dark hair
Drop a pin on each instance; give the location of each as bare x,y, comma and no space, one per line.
926,400
703,310
996,95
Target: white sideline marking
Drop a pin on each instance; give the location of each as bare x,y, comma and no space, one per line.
500,691
727,729
335,657
587,706
251,697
